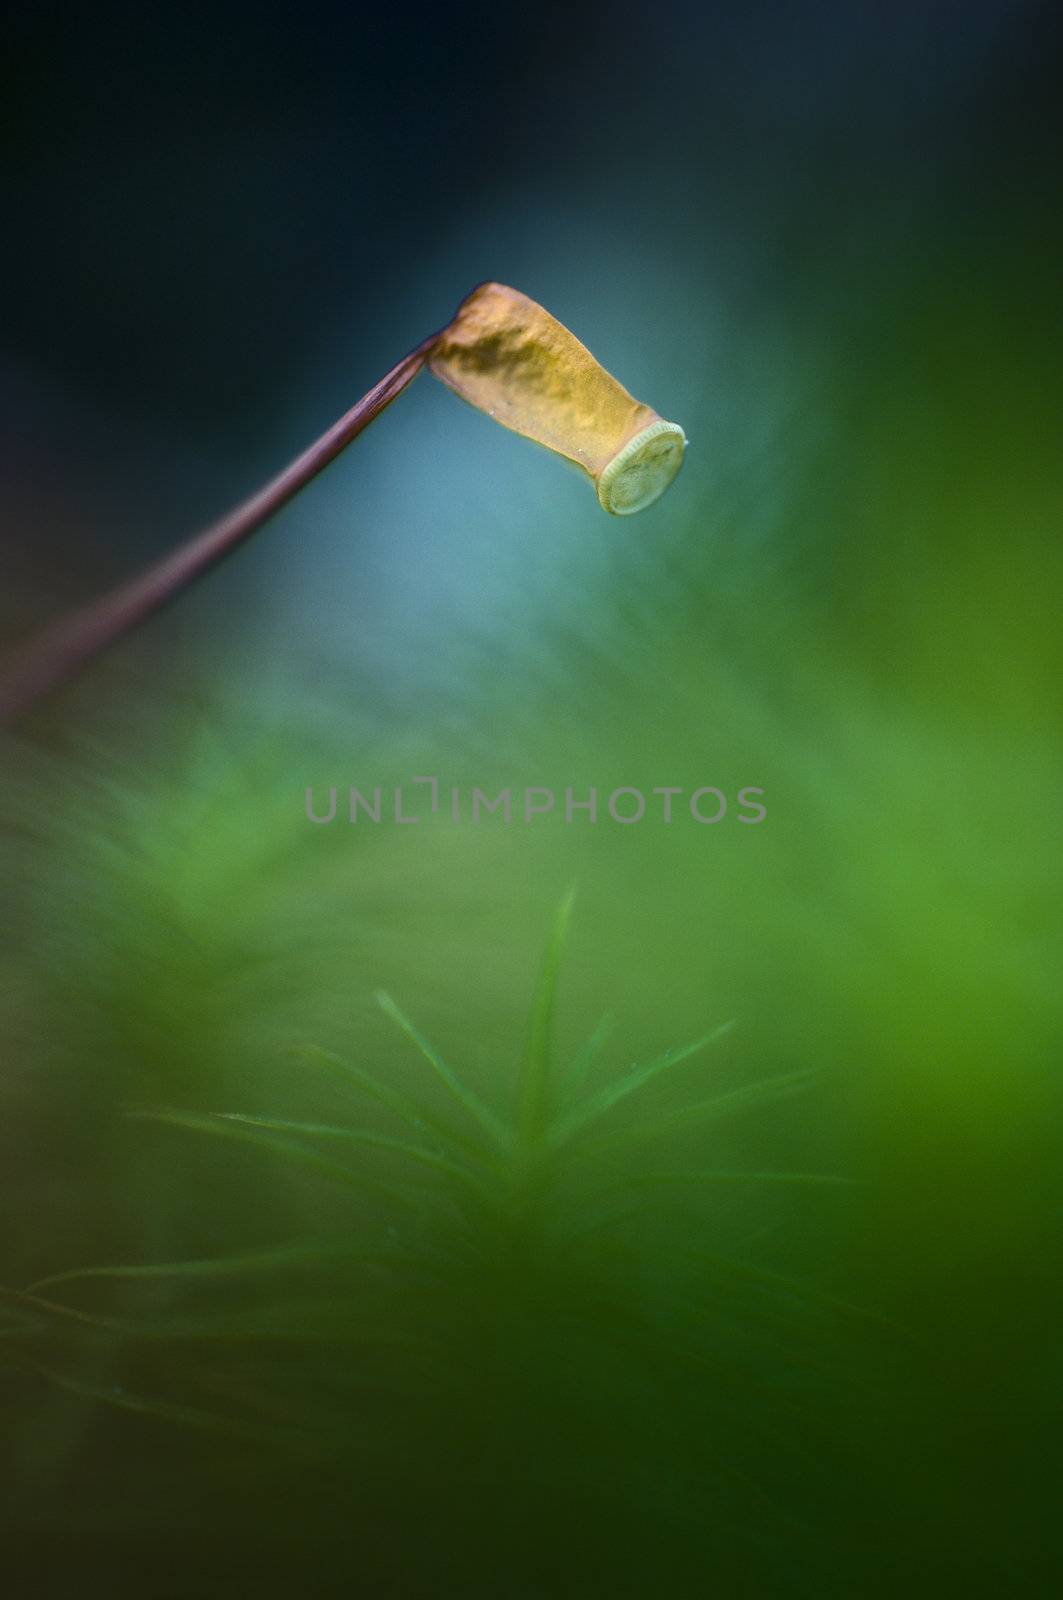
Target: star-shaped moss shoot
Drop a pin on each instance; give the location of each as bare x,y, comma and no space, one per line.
503,354
510,358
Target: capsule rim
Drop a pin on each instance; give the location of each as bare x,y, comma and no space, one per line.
620,464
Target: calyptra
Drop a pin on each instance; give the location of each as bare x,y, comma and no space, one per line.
510,358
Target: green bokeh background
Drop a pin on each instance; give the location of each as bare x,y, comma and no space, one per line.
850,599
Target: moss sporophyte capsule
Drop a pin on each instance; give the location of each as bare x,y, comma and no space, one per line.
510,358
503,354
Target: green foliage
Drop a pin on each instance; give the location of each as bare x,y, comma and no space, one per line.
490,1272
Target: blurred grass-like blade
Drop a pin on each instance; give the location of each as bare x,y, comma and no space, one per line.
679,1178
702,1112
413,1112
769,1281
223,1267
51,1308
533,1089
186,1416
613,1093
587,1054
375,1141
462,1095
218,1125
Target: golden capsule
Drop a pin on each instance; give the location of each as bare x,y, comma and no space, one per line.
510,358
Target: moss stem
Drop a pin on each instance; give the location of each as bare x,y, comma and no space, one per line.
63,649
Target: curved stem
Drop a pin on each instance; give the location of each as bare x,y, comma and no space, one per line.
62,649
